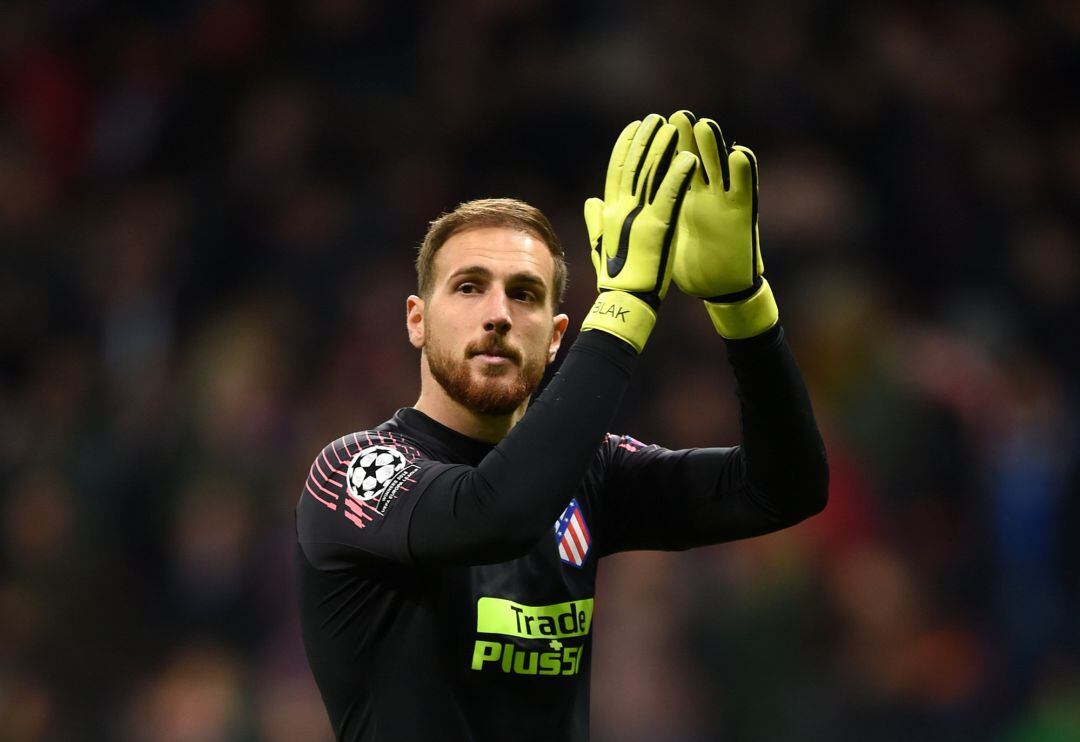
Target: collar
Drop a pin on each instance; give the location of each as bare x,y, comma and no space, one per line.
448,442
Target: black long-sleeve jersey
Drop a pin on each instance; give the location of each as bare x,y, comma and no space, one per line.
446,585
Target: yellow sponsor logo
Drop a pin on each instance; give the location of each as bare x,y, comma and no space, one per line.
561,620
561,661
551,623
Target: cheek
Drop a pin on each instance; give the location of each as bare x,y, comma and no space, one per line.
443,331
539,338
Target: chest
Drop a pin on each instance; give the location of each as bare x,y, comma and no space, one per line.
532,615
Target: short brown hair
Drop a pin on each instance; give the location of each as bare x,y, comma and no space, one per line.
488,212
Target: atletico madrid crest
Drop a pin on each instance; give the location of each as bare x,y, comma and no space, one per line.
572,535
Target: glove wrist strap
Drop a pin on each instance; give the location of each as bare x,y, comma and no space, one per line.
746,318
623,315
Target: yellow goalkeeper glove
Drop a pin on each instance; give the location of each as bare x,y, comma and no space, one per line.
717,255
631,230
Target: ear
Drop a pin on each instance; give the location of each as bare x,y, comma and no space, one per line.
558,330
414,321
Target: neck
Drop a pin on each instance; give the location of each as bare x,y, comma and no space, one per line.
436,404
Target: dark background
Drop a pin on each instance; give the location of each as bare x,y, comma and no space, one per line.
208,212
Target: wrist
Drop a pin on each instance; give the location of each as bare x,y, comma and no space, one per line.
623,315
747,317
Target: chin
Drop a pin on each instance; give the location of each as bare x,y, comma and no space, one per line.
498,395
497,386
490,371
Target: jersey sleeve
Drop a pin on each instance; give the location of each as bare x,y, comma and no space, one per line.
655,498
658,498
358,499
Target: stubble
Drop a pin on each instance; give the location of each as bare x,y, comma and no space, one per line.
495,391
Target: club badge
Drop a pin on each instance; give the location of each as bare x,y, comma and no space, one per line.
572,535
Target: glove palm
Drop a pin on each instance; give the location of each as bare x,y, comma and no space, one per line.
717,253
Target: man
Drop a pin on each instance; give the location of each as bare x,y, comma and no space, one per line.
447,558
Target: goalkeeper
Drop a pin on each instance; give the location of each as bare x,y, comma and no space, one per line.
446,559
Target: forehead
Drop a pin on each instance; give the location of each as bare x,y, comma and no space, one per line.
502,250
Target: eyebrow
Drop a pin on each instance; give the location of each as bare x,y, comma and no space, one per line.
482,272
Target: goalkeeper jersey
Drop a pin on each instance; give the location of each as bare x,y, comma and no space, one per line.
446,585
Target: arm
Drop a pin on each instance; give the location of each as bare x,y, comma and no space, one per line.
776,478
778,475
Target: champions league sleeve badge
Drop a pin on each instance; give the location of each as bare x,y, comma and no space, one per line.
572,535
376,474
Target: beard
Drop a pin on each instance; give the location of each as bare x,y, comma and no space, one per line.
496,390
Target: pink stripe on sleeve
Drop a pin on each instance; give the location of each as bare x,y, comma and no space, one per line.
356,508
312,492
316,466
359,523
327,460
311,478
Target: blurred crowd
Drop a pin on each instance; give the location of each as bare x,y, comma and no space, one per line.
208,212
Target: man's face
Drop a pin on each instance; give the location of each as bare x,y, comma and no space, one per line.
488,329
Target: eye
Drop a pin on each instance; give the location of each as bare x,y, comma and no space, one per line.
468,288
525,295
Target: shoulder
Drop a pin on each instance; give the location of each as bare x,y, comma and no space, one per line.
354,507
350,446
366,464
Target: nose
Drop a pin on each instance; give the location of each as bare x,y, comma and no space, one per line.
497,314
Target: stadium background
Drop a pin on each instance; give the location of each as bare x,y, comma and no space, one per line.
207,216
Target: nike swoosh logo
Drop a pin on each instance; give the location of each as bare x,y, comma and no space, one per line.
615,263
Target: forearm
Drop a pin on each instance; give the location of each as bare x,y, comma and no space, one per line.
785,467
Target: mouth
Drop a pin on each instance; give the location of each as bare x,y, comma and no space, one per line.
494,355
